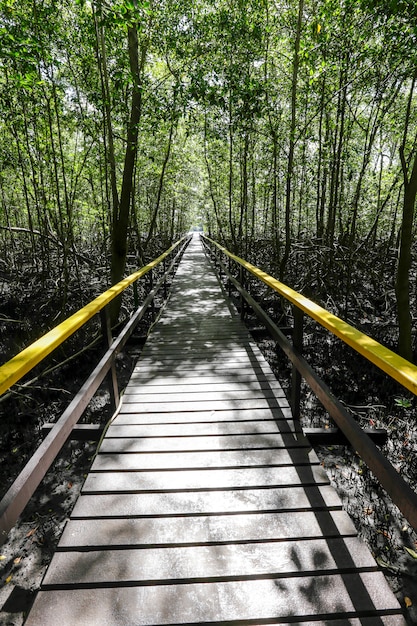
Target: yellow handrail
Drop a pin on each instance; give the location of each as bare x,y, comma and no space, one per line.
22,363
388,361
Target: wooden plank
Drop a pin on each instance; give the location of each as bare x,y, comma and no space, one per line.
206,502
201,443
293,599
203,388
205,563
197,396
180,369
210,346
191,428
135,482
160,531
157,368
200,405
241,358
191,377
201,335
273,457
208,416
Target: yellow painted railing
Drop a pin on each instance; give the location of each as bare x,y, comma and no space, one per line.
388,361
22,363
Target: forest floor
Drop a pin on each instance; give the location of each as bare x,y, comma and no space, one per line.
25,555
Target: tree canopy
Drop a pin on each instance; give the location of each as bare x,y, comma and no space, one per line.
132,121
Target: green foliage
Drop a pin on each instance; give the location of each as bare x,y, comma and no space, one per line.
404,403
219,76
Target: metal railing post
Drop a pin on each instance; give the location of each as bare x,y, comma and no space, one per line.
108,340
297,342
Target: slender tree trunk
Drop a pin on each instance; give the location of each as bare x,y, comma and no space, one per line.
161,178
321,186
290,163
402,285
121,216
334,192
244,190
210,179
274,208
231,156
253,199
105,90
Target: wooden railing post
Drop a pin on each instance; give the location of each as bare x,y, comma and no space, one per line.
219,264
297,342
108,340
135,295
150,278
165,280
241,298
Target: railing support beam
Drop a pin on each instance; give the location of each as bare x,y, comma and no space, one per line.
108,340
297,342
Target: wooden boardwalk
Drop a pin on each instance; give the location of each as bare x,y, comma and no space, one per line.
203,505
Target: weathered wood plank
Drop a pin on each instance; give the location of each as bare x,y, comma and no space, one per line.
273,457
160,531
208,416
200,405
205,388
138,396
206,502
157,369
219,364
203,563
118,429
114,482
202,442
293,599
191,377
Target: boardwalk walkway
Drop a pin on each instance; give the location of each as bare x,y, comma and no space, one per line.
202,505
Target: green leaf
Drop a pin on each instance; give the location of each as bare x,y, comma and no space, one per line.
405,403
386,565
411,552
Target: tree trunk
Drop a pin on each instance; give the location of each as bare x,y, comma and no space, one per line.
402,285
105,89
335,178
120,225
155,212
290,163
